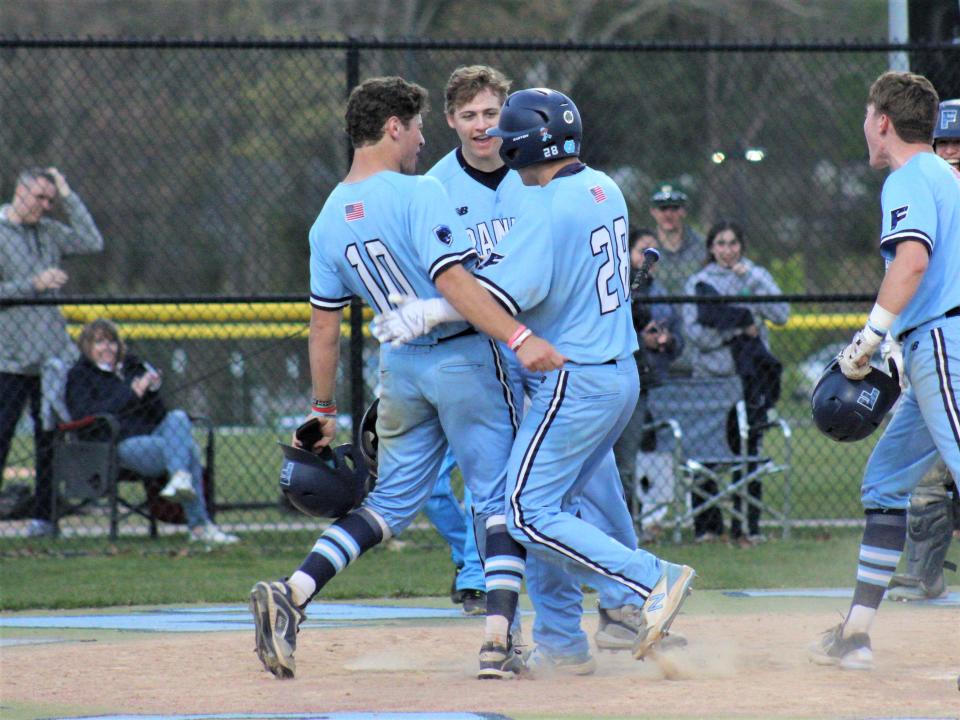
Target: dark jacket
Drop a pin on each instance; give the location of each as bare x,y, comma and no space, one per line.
93,391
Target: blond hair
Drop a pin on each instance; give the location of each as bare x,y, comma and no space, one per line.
467,81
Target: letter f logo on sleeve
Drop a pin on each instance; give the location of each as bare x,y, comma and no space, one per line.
897,215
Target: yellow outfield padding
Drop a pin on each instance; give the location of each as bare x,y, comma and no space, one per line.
194,312
215,331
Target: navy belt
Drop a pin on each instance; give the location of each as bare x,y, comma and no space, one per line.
462,333
952,312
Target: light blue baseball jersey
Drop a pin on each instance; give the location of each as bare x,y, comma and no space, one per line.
564,268
389,233
487,212
921,202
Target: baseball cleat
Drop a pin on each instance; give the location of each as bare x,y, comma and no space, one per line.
277,620
499,662
852,653
662,606
474,602
540,663
618,627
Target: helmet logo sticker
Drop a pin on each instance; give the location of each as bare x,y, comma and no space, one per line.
868,399
568,117
948,118
286,473
569,146
544,135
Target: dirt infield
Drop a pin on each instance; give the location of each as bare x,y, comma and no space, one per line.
738,664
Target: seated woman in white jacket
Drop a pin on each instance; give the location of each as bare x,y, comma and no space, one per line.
728,339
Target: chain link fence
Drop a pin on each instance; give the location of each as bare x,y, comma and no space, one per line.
204,163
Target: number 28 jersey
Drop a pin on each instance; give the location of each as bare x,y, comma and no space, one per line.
389,233
564,267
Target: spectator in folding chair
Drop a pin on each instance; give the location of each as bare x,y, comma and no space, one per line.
732,339
153,440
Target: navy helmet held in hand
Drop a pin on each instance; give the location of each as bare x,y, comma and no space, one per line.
848,410
538,125
327,483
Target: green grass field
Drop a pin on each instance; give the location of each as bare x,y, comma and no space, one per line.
130,576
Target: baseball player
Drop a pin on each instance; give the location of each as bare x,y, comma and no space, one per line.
575,234
919,304
934,510
381,232
489,198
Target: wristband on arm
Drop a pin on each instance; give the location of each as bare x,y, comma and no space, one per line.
880,320
519,336
324,407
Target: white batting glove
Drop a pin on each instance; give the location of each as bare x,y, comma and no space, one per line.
892,353
412,318
855,357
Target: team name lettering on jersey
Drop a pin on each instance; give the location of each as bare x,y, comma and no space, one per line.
484,240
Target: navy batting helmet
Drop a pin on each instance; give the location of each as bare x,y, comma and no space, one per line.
329,483
849,410
538,125
948,121
368,439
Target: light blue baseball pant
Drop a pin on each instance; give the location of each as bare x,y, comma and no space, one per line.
452,392
926,423
554,587
576,415
455,523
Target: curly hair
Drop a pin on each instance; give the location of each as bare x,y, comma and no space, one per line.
468,81
911,103
376,100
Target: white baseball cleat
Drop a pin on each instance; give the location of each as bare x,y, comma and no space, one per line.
662,606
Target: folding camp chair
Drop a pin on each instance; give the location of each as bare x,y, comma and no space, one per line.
86,472
695,411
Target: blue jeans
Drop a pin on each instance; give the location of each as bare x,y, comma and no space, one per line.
455,523
169,448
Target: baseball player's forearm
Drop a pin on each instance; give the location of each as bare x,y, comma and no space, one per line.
324,347
475,304
903,277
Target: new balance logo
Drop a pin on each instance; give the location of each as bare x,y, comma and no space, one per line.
655,602
463,210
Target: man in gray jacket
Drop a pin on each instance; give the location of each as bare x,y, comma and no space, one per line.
33,337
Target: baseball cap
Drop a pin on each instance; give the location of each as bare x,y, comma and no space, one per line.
667,194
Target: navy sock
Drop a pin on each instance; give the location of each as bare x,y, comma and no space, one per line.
342,543
880,550
503,571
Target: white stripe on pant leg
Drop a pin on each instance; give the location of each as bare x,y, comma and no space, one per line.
531,532
946,391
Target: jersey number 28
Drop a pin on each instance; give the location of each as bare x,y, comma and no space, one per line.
614,247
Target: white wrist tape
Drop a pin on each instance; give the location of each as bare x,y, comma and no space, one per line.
880,320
